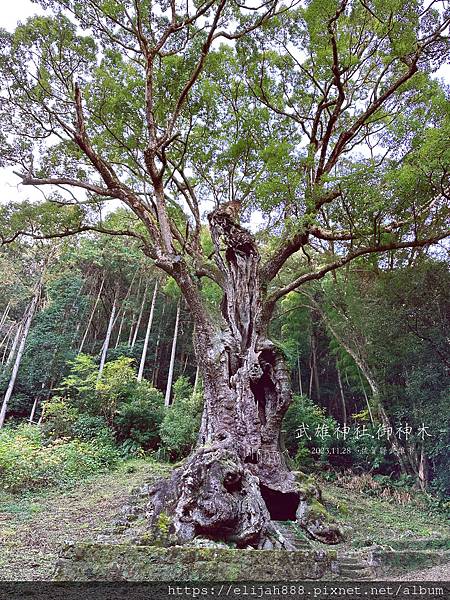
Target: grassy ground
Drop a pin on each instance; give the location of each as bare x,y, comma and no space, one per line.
368,519
33,526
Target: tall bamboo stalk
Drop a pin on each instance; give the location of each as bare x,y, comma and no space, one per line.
341,392
5,314
124,310
97,300
172,356
21,348
197,378
157,349
300,387
12,352
141,312
147,334
5,342
107,338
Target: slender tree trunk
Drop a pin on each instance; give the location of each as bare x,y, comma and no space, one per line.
133,320
21,348
341,392
33,411
315,368
5,342
147,334
12,352
5,315
365,397
119,333
91,316
236,484
299,372
172,357
105,347
158,349
423,468
311,376
396,447
139,319
123,311
197,378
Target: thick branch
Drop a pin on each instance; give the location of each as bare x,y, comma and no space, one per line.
320,273
81,229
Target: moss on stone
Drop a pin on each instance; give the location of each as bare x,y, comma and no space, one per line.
127,562
317,510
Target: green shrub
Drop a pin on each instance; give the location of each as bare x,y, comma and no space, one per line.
100,397
28,463
368,451
179,429
58,418
139,419
88,427
133,409
305,427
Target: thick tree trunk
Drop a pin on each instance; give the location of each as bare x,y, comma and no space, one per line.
237,483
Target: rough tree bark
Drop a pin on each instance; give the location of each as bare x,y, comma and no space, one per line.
237,483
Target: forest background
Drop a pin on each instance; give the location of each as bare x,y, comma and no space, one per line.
97,362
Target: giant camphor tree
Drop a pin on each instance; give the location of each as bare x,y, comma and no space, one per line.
318,123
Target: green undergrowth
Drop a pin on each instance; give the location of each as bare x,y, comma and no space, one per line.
368,519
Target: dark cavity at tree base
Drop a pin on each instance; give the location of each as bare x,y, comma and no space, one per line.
216,496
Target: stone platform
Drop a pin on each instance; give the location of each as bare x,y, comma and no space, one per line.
128,562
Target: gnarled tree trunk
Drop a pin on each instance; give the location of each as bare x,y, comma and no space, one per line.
237,482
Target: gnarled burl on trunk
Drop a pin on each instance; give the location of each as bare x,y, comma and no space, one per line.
236,483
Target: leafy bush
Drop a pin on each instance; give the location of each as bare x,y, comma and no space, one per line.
368,451
179,429
58,418
139,419
305,427
100,397
27,463
87,428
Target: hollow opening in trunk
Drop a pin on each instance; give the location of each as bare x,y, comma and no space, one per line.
281,506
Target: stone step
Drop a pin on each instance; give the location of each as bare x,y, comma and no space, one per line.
349,560
352,566
363,574
293,535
